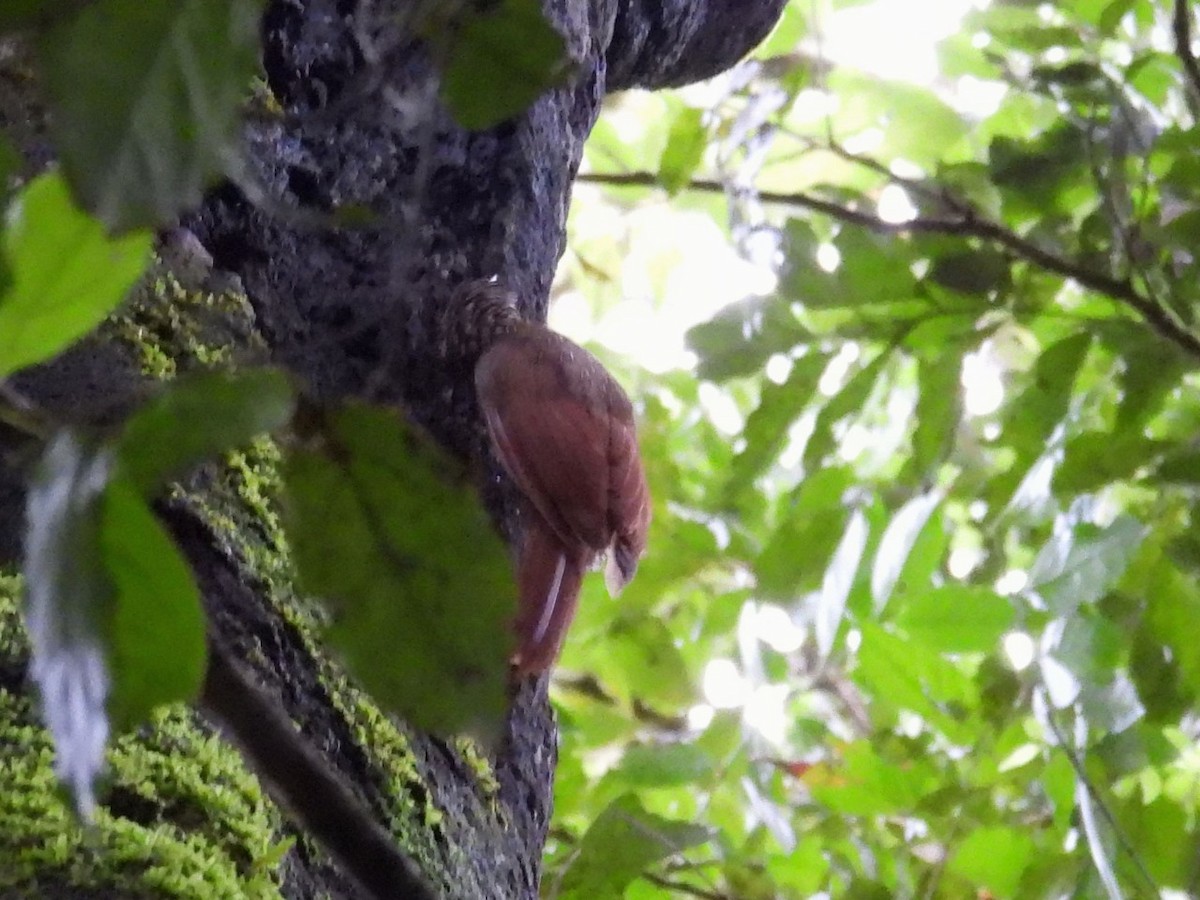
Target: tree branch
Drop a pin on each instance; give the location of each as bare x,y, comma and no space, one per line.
966,223
303,784
1181,26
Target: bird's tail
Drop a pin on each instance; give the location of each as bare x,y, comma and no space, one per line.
548,579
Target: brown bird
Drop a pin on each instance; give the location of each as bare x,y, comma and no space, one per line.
563,430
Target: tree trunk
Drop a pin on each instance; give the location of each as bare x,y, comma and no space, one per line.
350,311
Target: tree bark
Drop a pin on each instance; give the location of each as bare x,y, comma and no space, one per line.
351,312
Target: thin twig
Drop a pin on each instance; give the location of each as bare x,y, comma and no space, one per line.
304,785
1181,26
967,223
1118,832
682,887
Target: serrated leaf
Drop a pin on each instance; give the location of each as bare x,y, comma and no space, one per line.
503,60
146,100
955,618
68,597
66,274
157,629
381,523
623,842
686,143
198,417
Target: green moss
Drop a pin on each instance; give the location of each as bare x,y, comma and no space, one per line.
183,816
485,775
172,328
13,646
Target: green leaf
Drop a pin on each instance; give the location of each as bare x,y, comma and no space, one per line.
849,400
938,414
768,425
971,272
809,528
198,417
743,336
1039,171
623,842
906,675
66,275
663,765
1165,835
866,784
955,618
1042,405
158,627
1152,370
1172,609
381,523
1096,459
872,270
638,658
146,101
503,60
928,128
1076,567
1112,14
994,857
68,599
1156,674
897,543
1180,467
838,581
686,143
17,15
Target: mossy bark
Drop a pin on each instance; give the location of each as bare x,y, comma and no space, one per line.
350,311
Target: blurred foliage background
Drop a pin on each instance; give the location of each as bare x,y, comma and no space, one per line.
908,303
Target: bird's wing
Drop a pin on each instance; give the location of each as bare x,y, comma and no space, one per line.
553,439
